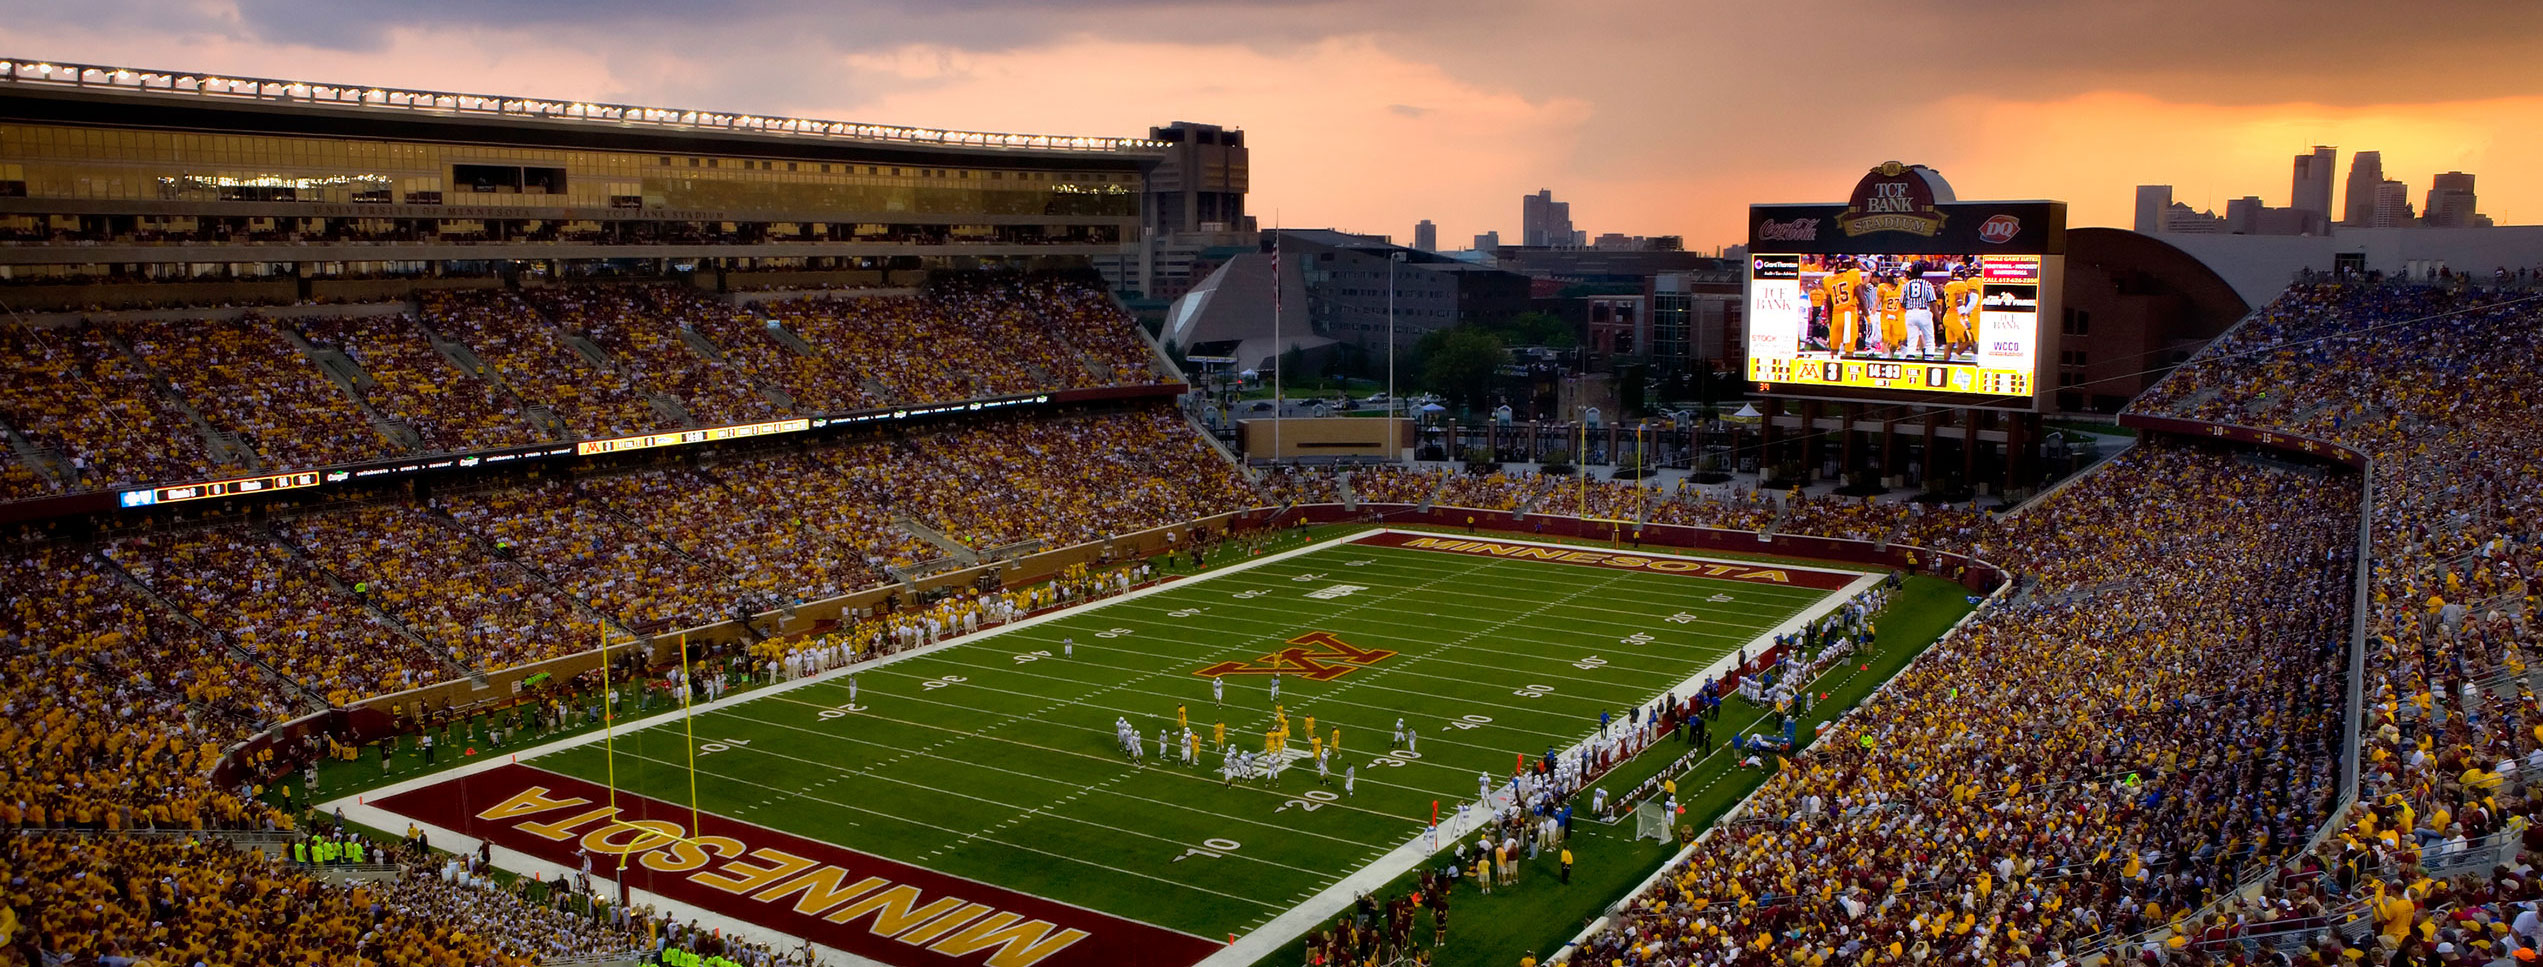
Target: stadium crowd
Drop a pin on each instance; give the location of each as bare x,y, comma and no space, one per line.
2152,721
451,411
2050,773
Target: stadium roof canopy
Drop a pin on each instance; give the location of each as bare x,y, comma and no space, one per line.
176,94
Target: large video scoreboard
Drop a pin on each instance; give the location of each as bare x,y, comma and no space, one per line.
1905,295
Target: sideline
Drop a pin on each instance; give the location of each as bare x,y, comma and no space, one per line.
1248,948
1312,912
356,808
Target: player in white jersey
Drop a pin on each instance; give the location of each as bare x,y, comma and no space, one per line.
1218,691
1920,297
1350,777
1399,731
1275,688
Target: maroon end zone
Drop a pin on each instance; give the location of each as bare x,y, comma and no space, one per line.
1778,575
866,905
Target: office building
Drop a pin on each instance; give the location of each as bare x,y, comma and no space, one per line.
2152,202
1426,236
2392,206
1488,241
2310,193
1544,221
1200,185
1351,280
2366,175
2451,203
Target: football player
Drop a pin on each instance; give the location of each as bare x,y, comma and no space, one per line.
1960,316
1893,315
1919,297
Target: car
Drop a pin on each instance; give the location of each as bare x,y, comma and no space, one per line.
1261,406
1374,398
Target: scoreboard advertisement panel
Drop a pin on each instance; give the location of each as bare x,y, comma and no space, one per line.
1898,296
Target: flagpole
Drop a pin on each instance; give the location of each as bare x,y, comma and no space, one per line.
1277,349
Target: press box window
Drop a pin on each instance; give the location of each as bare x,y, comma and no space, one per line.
509,179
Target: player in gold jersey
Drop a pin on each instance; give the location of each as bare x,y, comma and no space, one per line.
1814,331
1960,313
1845,306
1893,315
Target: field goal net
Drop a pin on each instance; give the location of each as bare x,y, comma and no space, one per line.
1651,821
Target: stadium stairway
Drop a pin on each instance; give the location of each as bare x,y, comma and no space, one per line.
449,659
540,417
944,542
310,699
1783,510
1432,498
536,574
45,461
706,349
349,377
1342,486
226,448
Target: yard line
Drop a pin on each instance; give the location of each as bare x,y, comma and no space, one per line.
982,734
917,822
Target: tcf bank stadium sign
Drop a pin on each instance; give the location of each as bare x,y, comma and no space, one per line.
1893,198
1904,209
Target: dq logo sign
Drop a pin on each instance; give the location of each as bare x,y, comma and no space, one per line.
2000,229
1316,656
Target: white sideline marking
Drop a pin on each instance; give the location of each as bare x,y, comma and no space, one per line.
1252,945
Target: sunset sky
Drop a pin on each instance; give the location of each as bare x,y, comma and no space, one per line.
1649,116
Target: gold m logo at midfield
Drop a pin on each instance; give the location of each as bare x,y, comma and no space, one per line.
1316,655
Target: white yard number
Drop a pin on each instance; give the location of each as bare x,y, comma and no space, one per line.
945,682
725,745
1720,599
1589,663
1308,577
1394,759
1310,801
1112,632
1248,595
1186,612
1637,638
1212,848
841,711
1357,563
1681,618
1534,691
1470,721
1031,656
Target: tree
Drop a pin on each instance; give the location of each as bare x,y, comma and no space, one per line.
1633,384
1540,329
1293,369
1461,362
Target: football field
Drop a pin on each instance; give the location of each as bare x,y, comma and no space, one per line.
973,798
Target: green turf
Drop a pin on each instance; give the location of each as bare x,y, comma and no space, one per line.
995,759
1540,914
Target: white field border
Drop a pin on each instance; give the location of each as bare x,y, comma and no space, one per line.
1248,948
1316,910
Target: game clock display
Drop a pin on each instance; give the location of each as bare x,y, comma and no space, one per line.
1961,324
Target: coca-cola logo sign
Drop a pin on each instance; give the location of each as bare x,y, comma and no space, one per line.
1796,230
2000,229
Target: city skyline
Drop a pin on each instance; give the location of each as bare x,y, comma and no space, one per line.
1648,118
